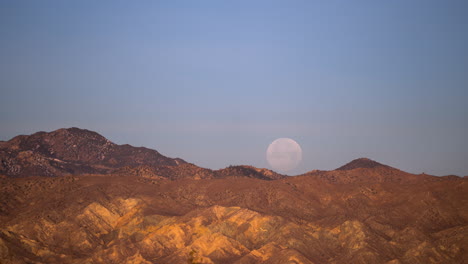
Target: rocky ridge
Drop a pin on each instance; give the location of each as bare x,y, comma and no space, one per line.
75,151
147,208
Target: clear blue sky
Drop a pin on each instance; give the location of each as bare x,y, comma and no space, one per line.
214,82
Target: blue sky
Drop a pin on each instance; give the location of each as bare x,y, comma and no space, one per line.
214,82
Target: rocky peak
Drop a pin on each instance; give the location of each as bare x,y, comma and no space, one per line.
80,151
72,151
364,163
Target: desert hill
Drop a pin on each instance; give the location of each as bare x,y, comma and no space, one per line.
76,151
165,211
72,151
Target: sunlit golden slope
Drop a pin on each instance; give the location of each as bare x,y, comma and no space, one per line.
306,219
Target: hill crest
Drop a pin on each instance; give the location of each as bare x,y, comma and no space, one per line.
361,163
76,151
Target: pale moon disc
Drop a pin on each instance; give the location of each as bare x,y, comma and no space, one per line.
284,154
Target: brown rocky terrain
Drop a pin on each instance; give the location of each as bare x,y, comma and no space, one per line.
75,151
72,151
188,170
363,212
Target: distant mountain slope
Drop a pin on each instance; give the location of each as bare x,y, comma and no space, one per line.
188,170
367,170
72,151
361,163
248,171
76,151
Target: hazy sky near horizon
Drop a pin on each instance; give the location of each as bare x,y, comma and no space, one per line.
215,82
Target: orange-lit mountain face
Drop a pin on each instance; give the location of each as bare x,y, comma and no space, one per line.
106,203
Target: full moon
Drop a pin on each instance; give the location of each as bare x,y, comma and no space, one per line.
284,154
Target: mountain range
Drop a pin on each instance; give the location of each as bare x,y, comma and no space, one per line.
77,151
72,196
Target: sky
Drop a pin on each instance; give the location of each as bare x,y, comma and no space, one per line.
215,82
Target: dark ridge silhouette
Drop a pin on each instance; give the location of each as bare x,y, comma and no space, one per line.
72,151
75,151
363,163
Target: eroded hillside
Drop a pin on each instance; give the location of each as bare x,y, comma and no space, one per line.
305,219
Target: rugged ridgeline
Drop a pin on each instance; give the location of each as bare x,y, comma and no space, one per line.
366,170
191,171
176,212
75,151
